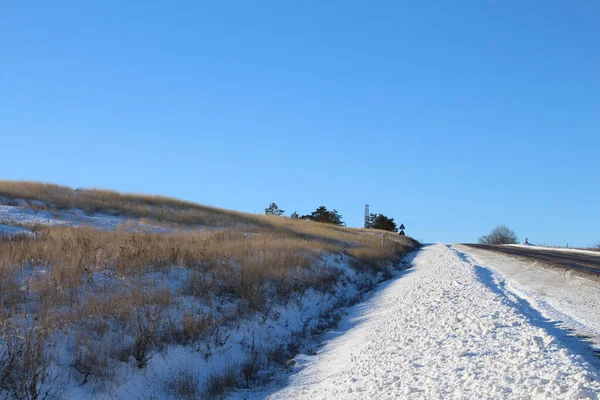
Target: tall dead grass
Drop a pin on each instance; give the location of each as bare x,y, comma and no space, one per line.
227,262
170,210
160,208
100,287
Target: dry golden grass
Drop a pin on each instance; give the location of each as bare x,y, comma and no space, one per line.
169,210
244,268
159,208
71,255
255,249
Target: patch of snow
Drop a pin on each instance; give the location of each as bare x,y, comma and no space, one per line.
23,215
11,231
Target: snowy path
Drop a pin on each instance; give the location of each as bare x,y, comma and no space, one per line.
446,329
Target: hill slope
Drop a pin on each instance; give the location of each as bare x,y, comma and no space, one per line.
130,296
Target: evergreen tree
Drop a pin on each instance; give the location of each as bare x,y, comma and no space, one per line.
322,214
295,215
380,221
370,221
273,209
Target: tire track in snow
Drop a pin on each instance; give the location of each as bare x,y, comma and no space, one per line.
537,309
559,295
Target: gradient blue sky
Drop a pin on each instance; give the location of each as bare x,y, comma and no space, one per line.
451,116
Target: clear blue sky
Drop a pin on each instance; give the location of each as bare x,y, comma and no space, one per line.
451,116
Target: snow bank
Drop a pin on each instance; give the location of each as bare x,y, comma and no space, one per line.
561,249
569,297
446,329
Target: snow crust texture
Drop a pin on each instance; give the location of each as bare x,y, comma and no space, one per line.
444,330
569,296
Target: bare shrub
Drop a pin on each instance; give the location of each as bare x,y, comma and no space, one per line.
194,327
146,345
199,284
253,364
94,307
10,293
214,340
25,365
191,329
184,384
501,234
325,279
92,359
253,289
279,354
218,384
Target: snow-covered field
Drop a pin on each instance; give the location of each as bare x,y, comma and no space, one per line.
448,328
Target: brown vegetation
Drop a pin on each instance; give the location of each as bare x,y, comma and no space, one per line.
101,288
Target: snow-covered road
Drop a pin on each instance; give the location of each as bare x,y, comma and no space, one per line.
445,329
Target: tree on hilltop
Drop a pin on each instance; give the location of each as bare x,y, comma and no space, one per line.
501,234
273,209
322,214
380,221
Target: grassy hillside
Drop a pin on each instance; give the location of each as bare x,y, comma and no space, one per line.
95,302
172,211
159,208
